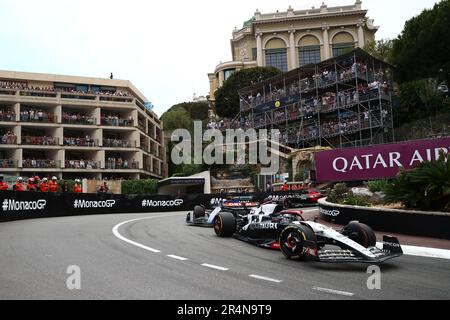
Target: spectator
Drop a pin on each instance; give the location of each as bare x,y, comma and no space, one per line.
3,185
53,185
30,185
43,186
77,186
64,187
19,185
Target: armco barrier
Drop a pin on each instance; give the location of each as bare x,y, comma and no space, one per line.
33,205
418,223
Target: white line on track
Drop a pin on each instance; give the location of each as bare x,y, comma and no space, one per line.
116,233
423,252
177,257
211,266
265,278
341,293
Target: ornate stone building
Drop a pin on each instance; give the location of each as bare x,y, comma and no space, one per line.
291,39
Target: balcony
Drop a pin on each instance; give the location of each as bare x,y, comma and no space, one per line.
41,164
116,143
7,116
82,164
79,120
40,141
116,122
8,163
122,165
38,117
80,142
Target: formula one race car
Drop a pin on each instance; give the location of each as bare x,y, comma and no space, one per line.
305,198
239,205
272,227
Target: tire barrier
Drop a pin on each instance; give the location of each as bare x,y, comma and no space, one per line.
33,205
417,223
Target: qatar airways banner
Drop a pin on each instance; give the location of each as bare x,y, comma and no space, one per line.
378,161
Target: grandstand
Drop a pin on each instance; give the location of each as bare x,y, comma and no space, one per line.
341,102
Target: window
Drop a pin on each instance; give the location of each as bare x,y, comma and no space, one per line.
342,48
227,73
254,54
308,55
277,58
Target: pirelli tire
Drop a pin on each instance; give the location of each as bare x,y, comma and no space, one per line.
360,233
297,242
225,224
199,212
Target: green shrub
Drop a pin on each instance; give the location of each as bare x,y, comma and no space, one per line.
352,199
338,193
377,185
140,186
426,187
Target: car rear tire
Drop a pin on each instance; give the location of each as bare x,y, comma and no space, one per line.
360,233
295,242
199,212
225,224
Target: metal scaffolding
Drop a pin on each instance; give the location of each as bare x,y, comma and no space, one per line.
341,102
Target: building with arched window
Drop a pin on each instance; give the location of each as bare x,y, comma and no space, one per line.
291,39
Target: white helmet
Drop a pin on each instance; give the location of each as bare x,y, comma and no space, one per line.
54,178
77,180
44,179
19,179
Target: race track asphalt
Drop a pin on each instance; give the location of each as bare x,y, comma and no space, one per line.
35,255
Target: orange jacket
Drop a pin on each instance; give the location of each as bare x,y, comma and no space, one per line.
31,186
53,186
19,186
43,187
77,188
3,186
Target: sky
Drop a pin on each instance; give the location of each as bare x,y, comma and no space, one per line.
165,48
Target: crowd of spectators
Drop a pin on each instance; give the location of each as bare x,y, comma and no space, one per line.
43,140
39,163
82,164
117,143
36,115
77,118
120,163
8,137
114,120
44,185
87,141
16,85
7,115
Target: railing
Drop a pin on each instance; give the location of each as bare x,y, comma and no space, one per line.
40,141
9,92
38,93
115,122
38,118
8,117
41,164
122,165
112,98
80,142
115,143
78,96
79,120
8,163
82,164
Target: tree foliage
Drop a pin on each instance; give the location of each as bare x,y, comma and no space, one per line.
227,97
177,118
424,45
381,49
140,186
425,188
